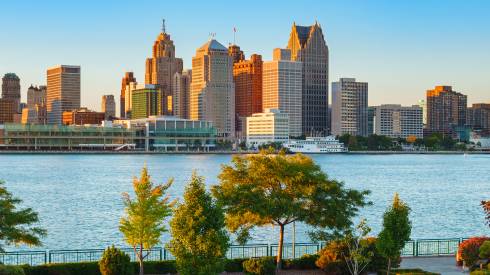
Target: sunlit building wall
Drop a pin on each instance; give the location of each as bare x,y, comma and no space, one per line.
63,91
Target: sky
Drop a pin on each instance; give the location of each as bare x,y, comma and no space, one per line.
401,48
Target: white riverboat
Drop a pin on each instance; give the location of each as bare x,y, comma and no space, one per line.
321,145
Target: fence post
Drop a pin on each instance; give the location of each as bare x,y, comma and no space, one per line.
49,252
161,253
46,256
416,243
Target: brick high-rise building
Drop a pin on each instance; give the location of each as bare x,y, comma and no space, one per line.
247,75
350,107
478,117
446,110
307,44
11,89
109,106
182,94
235,53
7,110
63,91
128,78
161,68
212,88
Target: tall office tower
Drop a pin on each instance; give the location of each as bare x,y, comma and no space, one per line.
11,89
446,110
162,66
281,89
478,117
7,110
128,78
235,53
63,91
35,112
212,88
350,107
247,75
130,87
109,106
182,93
307,44
146,102
423,105
398,121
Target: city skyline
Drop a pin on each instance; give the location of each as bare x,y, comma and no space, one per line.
401,49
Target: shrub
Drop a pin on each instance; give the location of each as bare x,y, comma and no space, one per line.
234,265
260,266
484,251
331,260
91,268
115,262
469,250
378,261
480,272
11,270
304,262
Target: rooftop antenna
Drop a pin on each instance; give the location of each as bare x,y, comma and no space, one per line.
163,26
212,35
234,35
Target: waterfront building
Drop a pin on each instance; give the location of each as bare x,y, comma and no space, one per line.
398,121
146,101
371,120
109,106
307,44
478,118
11,90
7,110
130,87
281,89
446,111
35,111
267,127
349,107
161,68
212,88
63,91
82,116
126,80
182,93
247,75
423,105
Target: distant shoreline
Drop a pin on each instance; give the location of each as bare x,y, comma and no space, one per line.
15,152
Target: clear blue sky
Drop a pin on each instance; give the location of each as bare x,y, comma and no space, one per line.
402,48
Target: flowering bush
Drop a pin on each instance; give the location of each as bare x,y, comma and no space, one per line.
469,250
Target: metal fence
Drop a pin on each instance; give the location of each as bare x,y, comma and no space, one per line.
414,248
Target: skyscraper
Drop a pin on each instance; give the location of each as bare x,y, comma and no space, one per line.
63,91
7,110
247,75
36,106
146,102
182,93
162,66
235,53
128,78
281,89
11,89
212,88
478,117
349,107
109,106
446,110
307,44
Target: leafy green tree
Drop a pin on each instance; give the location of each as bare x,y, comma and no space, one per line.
396,231
359,255
199,238
143,224
279,189
17,226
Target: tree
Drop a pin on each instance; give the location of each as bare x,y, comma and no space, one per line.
115,262
279,189
358,256
142,226
17,226
396,231
199,239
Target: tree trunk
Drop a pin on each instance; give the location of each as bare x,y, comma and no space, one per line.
279,247
388,271
140,258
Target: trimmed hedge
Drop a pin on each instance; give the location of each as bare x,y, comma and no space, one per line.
11,270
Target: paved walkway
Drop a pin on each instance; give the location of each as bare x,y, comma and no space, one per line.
442,265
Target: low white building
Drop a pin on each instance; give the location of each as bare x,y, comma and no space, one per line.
398,121
267,127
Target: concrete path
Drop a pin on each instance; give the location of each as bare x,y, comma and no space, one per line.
442,265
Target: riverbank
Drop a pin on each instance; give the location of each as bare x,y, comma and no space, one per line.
23,152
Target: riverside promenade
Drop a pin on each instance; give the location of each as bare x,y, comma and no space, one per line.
444,265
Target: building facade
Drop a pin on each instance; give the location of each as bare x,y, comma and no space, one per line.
478,118
35,112
126,80
267,127
63,91
11,89
349,107
307,44
7,110
446,111
247,75
161,68
182,94
281,89
212,89
398,121
109,106
146,102
83,116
